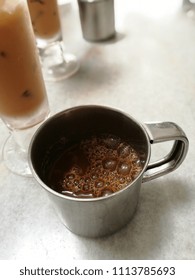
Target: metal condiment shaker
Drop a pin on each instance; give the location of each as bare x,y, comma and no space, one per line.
97,19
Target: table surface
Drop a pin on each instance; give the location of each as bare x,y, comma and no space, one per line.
147,71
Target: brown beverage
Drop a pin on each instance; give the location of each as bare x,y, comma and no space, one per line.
45,18
95,167
22,89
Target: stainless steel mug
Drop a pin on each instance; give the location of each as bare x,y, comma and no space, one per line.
97,19
95,217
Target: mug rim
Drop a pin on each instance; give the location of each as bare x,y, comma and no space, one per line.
62,112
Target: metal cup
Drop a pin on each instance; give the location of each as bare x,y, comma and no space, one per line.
97,19
96,217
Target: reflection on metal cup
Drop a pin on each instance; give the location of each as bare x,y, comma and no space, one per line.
97,19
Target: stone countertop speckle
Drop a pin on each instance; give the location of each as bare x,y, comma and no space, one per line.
148,72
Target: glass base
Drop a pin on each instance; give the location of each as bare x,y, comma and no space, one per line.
189,8
16,158
61,71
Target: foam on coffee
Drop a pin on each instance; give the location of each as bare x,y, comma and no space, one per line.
95,167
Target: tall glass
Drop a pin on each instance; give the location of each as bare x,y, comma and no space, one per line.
23,99
57,64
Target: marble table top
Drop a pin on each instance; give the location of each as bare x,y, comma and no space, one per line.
147,71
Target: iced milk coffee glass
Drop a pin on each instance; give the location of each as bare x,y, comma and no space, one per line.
23,99
57,64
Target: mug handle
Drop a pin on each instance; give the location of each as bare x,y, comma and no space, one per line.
161,132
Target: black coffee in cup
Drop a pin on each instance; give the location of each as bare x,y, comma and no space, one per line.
94,167
93,152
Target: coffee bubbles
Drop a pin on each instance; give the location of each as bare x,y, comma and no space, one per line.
95,167
124,168
124,150
109,164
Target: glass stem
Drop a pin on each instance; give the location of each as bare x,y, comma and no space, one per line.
52,56
23,137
